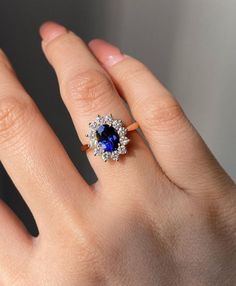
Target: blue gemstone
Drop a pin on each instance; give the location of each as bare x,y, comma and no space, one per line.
107,137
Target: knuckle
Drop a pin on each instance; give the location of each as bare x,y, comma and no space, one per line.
88,89
60,44
87,246
165,116
133,72
13,117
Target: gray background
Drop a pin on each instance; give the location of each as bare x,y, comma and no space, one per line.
189,44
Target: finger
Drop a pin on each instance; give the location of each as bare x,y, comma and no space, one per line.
33,156
179,149
87,91
15,243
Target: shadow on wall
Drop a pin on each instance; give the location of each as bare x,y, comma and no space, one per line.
148,30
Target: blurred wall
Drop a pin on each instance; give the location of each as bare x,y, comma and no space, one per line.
190,45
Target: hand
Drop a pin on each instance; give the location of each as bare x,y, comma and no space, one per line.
165,214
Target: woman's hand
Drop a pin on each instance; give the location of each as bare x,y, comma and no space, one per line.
162,215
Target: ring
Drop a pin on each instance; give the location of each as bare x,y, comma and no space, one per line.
108,137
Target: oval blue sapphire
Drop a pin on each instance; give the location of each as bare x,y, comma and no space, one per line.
107,137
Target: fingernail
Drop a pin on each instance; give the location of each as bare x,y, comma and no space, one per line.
50,31
106,53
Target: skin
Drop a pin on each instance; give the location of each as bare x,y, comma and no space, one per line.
165,214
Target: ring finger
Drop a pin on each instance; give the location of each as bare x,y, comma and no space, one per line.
87,91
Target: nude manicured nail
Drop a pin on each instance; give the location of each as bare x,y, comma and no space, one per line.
50,31
106,53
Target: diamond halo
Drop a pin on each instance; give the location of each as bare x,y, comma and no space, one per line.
119,129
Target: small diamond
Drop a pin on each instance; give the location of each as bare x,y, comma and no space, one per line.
122,131
92,133
124,140
93,143
98,150
105,156
115,156
122,149
117,124
108,119
93,125
99,120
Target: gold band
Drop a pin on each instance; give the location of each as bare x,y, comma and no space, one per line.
132,127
